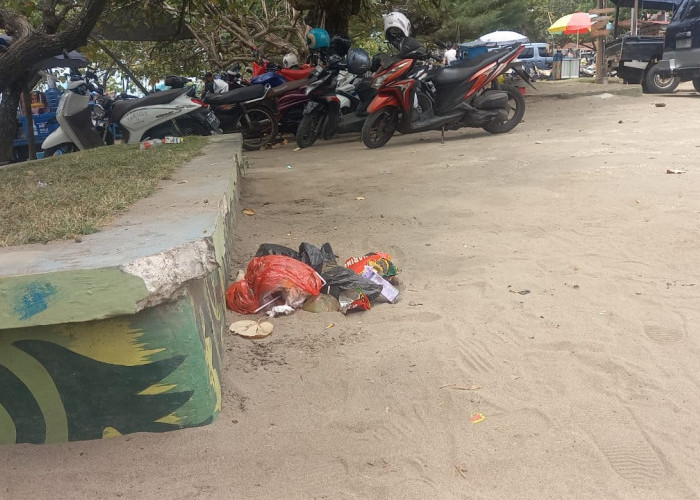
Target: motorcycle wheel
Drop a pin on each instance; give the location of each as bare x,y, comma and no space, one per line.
260,129
192,127
516,111
61,149
379,127
307,132
160,131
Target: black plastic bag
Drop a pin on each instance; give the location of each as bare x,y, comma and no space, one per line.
339,278
317,258
272,249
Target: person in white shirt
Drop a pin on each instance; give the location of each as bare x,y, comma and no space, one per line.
450,54
215,85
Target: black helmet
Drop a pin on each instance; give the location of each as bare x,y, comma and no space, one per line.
358,61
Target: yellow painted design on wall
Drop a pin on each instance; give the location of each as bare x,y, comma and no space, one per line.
213,375
170,419
110,432
157,389
115,342
40,383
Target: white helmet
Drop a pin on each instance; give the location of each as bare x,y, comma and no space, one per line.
290,60
397,20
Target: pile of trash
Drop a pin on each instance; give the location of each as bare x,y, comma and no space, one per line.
280,280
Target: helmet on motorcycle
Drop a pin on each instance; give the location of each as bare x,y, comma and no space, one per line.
396,26
358,61
318,38
290,60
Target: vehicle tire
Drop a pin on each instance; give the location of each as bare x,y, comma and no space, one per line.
160,131
655,84
516,111
259,130
61,149
188,126
379,127
696,84
307,132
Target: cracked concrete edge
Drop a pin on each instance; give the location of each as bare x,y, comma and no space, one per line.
89,294
165,274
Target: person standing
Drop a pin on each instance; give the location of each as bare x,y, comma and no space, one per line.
450,54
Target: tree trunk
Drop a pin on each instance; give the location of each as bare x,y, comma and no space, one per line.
31,145
333,15
30,47
8,121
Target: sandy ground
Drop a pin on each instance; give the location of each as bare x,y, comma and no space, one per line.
589,382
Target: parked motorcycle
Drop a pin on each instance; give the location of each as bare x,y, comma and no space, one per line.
338,99
248,110
411,98
83,126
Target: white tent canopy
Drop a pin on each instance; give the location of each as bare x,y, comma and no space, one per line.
503,37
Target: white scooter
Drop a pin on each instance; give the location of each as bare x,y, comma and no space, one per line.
150,117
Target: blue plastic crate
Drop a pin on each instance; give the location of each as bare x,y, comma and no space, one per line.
44,124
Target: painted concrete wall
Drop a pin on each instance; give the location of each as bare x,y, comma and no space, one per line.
153,371
93,353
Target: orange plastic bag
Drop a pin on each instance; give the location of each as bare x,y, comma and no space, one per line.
358,264
270,276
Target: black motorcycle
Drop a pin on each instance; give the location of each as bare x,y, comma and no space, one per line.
324,116
247,110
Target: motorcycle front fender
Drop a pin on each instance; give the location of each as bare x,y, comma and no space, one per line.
311,106
55,138
383,100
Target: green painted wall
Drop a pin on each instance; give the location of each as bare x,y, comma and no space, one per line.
154,371
68,296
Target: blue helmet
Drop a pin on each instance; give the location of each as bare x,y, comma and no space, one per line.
318,38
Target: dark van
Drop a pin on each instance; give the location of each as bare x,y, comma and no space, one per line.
682,44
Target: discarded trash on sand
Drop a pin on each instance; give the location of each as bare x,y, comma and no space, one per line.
477,417
252,329
279,280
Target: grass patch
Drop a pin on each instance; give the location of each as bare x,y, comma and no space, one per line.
79,193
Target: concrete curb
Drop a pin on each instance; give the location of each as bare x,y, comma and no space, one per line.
123,333
579,91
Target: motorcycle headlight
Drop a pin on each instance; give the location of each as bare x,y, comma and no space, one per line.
379,81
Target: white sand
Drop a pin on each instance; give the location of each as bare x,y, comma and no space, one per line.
589,383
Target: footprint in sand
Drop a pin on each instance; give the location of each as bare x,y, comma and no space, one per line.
475,356
613,430
664,334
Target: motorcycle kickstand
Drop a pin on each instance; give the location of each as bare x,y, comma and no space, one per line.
443,135
177,127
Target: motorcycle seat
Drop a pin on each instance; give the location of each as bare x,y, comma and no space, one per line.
296,74
122,107
236,95
286,87
463,70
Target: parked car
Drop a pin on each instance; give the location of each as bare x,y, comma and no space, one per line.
635,58
536,55
681,57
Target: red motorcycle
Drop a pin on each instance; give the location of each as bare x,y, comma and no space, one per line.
413,98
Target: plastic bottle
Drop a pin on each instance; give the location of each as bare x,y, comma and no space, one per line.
151,143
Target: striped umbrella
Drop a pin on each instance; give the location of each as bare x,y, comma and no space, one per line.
576,23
